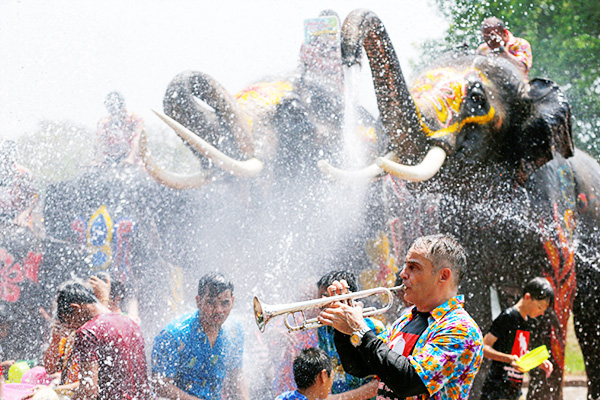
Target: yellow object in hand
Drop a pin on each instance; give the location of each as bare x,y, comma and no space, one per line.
533,358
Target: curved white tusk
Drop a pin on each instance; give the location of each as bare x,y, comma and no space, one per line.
360,175
430,166
248,168
170,179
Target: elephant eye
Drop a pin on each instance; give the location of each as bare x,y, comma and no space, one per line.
476,95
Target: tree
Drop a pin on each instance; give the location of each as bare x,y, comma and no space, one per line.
565,39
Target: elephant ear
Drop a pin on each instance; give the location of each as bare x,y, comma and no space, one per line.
547,130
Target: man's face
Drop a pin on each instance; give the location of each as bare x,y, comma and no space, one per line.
494,37
419,278
215,310
80,315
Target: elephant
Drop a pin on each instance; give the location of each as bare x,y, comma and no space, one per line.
21,293
114,218
480,151
258,154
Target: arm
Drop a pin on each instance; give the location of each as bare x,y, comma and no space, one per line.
88,381
489,352
235,386
373,355
166,388
52,354
364,392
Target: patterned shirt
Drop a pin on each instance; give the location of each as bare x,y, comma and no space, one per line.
182,352
448,353
518,47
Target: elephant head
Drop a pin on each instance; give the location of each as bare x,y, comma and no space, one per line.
195,102
465,111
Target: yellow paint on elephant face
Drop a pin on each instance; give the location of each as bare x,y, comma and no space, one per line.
265,93
444,90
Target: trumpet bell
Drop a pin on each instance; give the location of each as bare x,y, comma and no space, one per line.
261,318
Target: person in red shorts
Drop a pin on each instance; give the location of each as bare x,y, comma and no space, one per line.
109,346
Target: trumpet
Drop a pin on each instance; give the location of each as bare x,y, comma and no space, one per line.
265,312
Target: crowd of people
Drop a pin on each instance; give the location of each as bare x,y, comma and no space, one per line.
433,350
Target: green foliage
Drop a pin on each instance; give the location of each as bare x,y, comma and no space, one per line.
565,41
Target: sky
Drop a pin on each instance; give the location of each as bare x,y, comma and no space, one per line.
59,58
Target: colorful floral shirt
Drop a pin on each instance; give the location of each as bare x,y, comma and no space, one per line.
518,47
448,353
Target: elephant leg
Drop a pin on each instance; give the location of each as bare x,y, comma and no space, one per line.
587,326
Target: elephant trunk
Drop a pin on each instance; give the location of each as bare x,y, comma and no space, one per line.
201,104
362,28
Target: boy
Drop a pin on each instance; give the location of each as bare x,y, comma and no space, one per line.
313,373
508,339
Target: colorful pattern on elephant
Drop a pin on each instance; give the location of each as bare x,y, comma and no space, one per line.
448,354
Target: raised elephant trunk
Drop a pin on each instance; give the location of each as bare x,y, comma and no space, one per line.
398,113
205,116
362,28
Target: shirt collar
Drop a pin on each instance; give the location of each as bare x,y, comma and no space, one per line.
440,311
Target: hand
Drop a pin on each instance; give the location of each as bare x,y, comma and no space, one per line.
513,362
343,317
547,367
101,289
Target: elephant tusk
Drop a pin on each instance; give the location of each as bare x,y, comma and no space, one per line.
164,177
248,168
361,175
430,166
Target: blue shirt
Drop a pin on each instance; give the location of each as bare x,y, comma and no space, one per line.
182,352
294,395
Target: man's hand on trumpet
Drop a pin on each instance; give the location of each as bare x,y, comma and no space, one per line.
343,317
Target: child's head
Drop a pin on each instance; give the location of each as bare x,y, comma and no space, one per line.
313,367
538,295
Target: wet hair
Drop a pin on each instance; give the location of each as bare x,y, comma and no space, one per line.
114,100
309,364
215,283
117,288
348,276
540,289
493,22
72,292
443,250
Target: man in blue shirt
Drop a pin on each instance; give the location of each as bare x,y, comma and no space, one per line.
198,354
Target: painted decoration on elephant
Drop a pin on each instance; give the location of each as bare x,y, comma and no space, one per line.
319,27
262,96
445,89
108,242
12,273
560,249
383,261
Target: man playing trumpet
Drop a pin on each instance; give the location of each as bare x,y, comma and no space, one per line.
434,350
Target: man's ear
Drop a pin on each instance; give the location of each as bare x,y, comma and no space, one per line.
322,377
445,275
197,301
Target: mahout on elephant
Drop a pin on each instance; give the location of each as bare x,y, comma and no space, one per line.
480,151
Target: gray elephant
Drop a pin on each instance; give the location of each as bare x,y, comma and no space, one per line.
259,151
479,151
